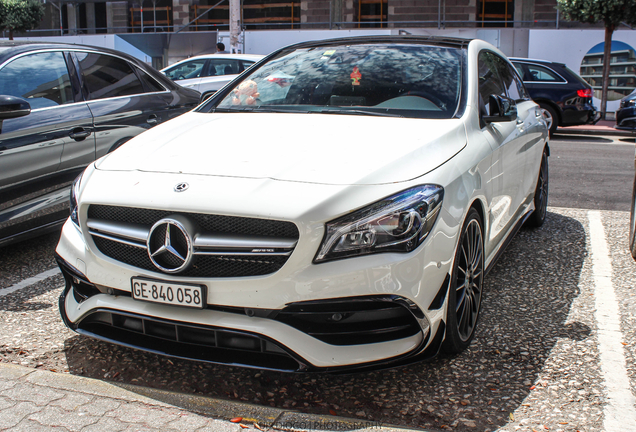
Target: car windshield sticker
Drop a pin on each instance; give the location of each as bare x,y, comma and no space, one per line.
355,76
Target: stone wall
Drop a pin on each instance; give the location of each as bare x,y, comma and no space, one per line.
314,11
117,16
180,13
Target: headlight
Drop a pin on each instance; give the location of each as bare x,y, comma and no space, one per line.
628,103
398,223
74,196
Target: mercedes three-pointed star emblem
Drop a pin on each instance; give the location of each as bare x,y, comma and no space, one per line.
169,246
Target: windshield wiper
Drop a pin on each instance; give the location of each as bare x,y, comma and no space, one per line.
357,112
261,109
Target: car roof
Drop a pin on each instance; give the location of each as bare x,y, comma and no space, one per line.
9,49
430,40
251,57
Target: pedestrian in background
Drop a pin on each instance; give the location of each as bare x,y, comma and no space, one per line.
220,48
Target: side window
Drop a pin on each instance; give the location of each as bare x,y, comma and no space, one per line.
150,83
489,81
521,89
42,79
191,69
107,76
224,67
511,81
540,73
245,64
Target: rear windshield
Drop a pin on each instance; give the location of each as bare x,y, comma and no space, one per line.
407,80
577,76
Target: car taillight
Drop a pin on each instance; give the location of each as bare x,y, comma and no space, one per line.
584,93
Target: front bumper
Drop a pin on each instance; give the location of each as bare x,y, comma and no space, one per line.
626,119
386,328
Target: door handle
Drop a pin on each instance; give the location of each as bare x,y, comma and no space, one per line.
79,133
152,119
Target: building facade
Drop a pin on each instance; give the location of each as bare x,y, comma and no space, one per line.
130,16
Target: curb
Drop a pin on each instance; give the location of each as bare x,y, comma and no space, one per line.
265,417
574,130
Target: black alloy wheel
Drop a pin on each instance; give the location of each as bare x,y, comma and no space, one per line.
537,217
464,297
550,116
632,223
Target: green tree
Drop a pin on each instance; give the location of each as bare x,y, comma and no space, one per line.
20,15
611,13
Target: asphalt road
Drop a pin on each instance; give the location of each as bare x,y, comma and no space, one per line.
538,361
591,172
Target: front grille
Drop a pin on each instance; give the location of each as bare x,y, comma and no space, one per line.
189,341
214,223
203,266
207,261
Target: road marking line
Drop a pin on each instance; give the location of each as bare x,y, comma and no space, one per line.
620,414
30,281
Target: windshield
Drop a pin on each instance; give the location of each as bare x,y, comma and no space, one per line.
409,80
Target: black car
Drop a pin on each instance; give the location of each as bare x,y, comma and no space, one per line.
626,114
61,107
565,97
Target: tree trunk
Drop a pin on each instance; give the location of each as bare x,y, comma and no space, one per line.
609,30
10,34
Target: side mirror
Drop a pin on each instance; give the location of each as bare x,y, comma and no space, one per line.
12,107
502,109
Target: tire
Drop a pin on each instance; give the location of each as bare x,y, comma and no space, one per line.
632,223
206,96
464,297
551,117
537,217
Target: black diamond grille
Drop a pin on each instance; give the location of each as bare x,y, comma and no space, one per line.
202,265
212,223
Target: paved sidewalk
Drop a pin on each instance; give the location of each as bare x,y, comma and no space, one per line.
34,400
602,127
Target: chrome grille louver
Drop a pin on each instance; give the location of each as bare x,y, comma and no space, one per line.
223,246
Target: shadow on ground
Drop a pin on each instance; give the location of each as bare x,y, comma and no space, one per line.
527,298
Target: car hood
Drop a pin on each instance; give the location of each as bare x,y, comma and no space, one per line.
312,148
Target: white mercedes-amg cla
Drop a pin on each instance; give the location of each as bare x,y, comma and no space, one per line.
336,207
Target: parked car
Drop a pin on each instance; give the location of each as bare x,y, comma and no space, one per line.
208,73
61,107
387,176
565,97
626,114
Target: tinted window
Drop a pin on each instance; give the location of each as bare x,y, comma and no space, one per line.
245,64
107,76
540,73
523,92
489,80
191,69
149,82
510,80
406,79
41,78
223,67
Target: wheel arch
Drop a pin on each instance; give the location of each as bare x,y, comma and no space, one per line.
552,105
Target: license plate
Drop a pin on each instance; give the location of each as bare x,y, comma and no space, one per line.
168,292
